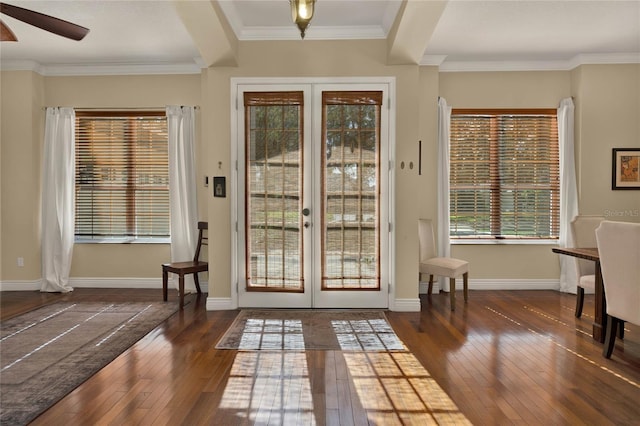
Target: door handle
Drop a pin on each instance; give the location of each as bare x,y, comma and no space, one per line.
306,212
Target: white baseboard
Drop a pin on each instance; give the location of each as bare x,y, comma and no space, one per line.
226,304
424,287
501,284
413,305
149,283
220,304
405,305
145,283
21,285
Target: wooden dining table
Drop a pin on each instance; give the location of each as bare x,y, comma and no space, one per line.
600,315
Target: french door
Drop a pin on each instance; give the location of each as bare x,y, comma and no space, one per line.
313,198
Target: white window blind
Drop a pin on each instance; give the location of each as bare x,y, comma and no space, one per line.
122,175
504,174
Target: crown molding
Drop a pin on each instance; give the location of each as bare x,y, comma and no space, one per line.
56,70
433,60
488,66
600,59
21,65
534,65
287,33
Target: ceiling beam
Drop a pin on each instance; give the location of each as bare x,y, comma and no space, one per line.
412,30
210,31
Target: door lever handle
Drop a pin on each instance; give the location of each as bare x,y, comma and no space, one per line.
307,224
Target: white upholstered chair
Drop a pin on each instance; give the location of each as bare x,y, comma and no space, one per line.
619,250
584,235
433,265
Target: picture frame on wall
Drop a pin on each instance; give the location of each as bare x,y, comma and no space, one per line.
625,168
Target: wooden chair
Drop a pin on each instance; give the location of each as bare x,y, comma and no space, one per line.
584,236
431,264
185,268
619,250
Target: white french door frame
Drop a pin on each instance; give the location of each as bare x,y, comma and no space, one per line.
270,299
312,88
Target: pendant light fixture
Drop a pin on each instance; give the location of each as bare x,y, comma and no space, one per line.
301,13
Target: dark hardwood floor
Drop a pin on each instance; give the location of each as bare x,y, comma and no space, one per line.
506,357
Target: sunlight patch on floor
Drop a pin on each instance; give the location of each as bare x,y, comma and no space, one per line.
373,375
270,388
366,335
391,387
272,334
394,386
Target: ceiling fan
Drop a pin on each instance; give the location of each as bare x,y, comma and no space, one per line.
40,20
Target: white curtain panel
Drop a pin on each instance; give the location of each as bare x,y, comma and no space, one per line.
182,187
444,130
568,194
58,199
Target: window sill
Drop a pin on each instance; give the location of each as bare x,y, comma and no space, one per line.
124,241
480,242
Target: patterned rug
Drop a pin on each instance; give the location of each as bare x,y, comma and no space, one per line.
278,329
48,352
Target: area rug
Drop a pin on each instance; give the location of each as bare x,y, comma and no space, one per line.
48,352
312,329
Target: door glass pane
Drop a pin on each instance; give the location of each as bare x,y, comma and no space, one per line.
351,190
274,191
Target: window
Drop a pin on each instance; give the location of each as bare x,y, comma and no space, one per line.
504,174
122,176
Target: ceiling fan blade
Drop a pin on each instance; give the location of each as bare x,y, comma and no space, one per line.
45,22
6,34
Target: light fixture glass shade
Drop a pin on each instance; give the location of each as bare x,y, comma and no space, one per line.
301,13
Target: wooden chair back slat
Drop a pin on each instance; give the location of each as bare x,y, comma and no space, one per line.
202,239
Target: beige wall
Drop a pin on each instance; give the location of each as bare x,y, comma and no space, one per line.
609,117
21,140
542,89
428,135
607,109
24,96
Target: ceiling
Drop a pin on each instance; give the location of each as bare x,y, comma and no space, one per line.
147,36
